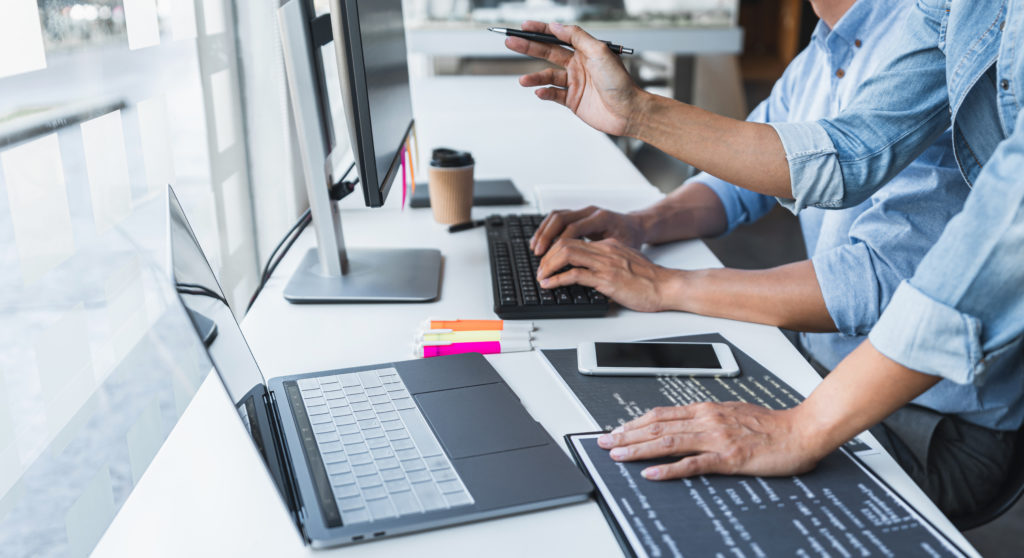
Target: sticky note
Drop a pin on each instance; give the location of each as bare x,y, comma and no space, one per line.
21,38
141,20
156,143
38,201
106,164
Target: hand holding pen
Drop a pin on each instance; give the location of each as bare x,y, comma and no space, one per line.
551,39
592,81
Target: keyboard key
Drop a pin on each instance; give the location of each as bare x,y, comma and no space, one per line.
394,425
384,407
373,433
420,476
414,465
362,406
324,427
320,419
445,474
351,390
343,478
461,498
331,436
347,504
397,485
363,470
361,459
353,449
448,487
429,496
331,446
390,378
333,456
404,403
338,468
376,391
344,419
351,439
363,415
347,490
376,493
381,453
437,462
368,481
308,383
339,406
392,474
420,432
355,516
406,503
367,424
375,443
381,509
348,428
405,454
334,398
357,398
397,435
388,463
348,380
314,401
403,444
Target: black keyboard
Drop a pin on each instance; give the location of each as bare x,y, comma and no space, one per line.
517,295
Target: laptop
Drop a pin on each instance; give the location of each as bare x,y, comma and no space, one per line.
375,451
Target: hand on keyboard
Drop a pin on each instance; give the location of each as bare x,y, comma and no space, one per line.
618,271
590,222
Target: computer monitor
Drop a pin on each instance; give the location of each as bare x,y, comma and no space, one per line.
369,38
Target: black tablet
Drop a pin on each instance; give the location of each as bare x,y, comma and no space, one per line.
485,192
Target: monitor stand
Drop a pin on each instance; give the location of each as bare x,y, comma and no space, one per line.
372,275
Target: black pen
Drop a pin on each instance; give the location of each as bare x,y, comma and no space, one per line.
466,226
545,38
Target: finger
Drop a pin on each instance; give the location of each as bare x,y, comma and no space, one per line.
660,414
679,443
596,222
556,54
652,431
553,225
691,466
579,39
535,26
566,251
552,94
550,76
575,276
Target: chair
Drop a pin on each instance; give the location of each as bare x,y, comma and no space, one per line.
1011,491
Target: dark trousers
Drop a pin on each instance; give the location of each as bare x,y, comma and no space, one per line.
961,466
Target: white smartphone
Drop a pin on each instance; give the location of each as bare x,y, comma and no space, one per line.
656,359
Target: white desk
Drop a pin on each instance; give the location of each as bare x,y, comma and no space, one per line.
206,492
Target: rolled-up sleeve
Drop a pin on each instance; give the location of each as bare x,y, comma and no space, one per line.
886,241
964,307
894,116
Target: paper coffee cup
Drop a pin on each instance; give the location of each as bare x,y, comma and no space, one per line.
451,186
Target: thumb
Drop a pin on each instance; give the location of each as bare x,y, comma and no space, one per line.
578,38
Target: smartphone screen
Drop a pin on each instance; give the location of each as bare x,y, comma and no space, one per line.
656,355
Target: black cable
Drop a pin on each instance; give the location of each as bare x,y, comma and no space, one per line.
200,290
277,255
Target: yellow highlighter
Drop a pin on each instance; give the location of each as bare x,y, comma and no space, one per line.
443,337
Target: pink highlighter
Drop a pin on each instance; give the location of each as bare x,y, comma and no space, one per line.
482,347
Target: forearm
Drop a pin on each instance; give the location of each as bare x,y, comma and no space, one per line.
747,154
691,211
786,296
865,388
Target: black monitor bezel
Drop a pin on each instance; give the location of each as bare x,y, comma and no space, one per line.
375,191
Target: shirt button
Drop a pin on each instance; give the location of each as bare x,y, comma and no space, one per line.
1005,84
857,43
840,73
1002,24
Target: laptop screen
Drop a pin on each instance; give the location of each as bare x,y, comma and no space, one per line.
218,331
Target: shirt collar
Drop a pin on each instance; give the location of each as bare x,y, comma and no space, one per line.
860,20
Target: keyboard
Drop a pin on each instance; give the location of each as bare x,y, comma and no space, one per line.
381,457
517,295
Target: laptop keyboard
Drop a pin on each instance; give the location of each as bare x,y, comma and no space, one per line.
380,454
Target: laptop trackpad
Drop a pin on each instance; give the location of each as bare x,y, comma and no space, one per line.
479,420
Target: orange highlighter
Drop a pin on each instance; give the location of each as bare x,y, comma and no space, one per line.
478,325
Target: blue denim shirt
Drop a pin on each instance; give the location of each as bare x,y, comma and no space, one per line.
959,63
862,253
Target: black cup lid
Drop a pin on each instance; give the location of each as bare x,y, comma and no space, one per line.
444,157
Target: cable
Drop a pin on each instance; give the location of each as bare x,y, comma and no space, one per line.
277,255
200,290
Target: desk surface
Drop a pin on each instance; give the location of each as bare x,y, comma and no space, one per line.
206,492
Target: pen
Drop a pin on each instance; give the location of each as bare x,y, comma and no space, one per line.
479,325
466,226
545,38
447,338
484,348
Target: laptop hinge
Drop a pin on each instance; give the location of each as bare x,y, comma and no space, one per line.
294,497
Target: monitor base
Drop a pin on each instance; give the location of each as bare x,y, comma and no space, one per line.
374,275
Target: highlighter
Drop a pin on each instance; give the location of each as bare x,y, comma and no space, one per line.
445,337
479,325
482,347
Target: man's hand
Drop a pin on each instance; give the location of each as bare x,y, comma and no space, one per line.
724,438
593,82
621,273
590,222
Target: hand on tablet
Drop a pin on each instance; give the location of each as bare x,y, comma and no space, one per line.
724,438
